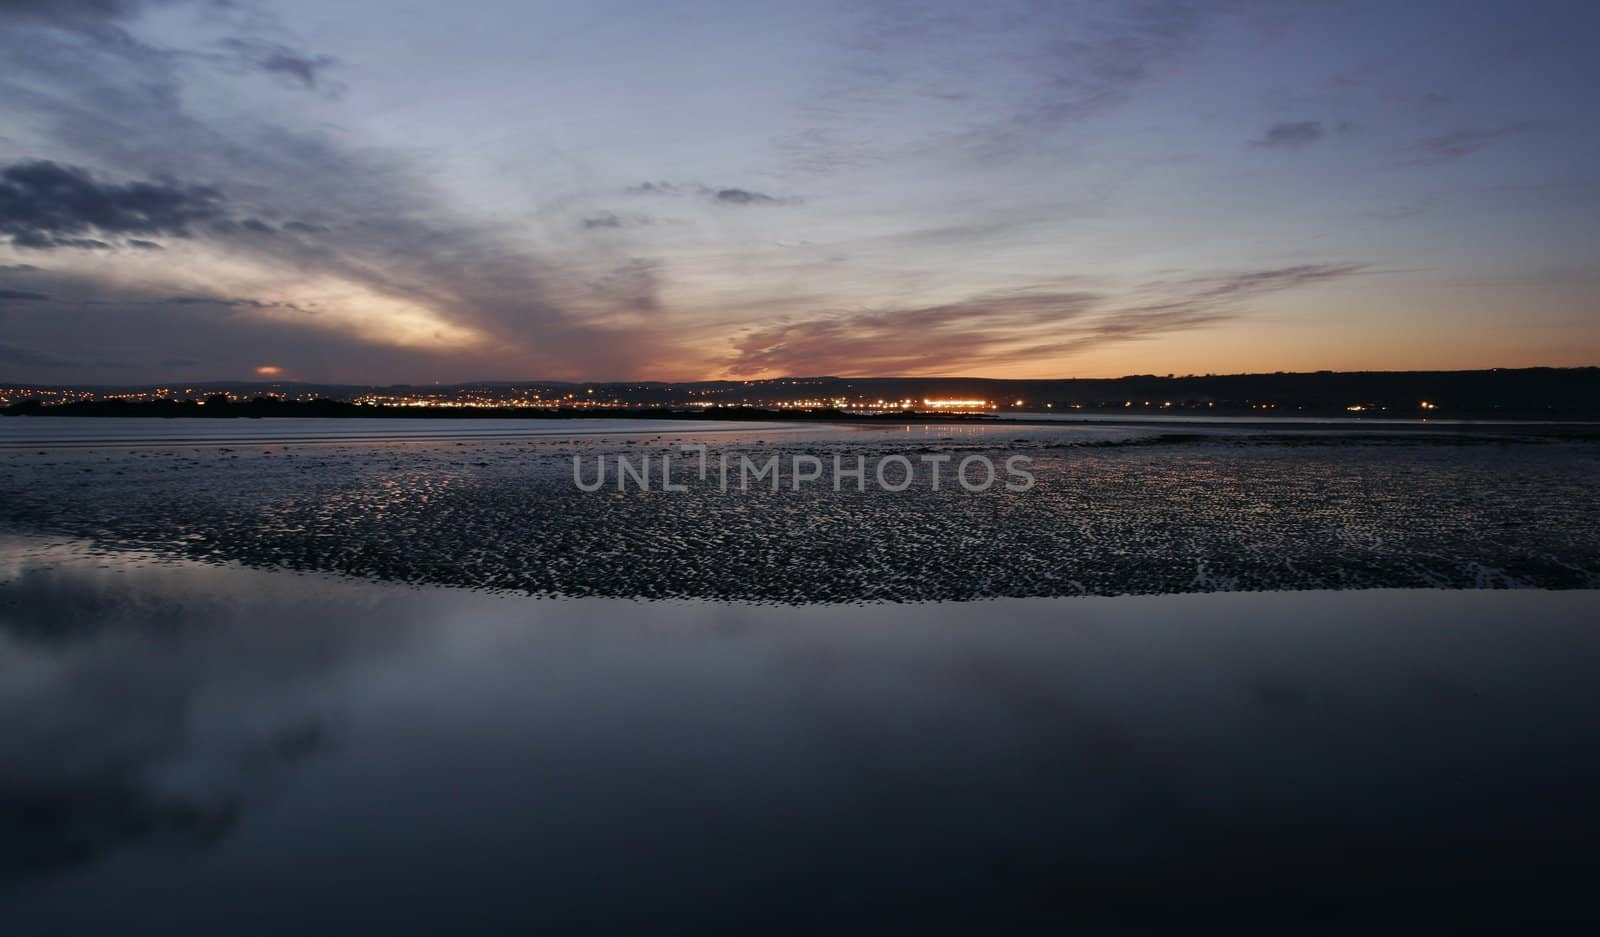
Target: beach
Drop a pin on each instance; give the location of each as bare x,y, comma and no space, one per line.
1195,677
1113,509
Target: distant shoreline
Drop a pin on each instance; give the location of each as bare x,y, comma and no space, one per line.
1541,394
338,409
267,408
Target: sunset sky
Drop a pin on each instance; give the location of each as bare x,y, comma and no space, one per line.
411,192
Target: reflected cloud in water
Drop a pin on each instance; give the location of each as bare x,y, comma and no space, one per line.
180,738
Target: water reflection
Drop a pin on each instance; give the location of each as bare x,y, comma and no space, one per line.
183,741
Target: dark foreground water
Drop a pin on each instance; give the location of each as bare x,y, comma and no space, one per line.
203,749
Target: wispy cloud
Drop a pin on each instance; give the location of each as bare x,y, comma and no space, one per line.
300,68
223,301
1465,142
1003,328
905,341
722,196
1291,134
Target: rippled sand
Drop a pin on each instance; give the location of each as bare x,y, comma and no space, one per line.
1115,510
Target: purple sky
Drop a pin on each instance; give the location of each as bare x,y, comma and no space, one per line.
387,192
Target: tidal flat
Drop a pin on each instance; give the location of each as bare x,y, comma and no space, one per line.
312,678
1114,509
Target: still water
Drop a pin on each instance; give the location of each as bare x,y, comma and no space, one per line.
192,748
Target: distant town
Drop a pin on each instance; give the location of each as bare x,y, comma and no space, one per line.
1526,393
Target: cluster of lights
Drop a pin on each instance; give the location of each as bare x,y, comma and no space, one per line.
734,396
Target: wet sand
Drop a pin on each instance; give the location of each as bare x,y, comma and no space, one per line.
275,682
1116,510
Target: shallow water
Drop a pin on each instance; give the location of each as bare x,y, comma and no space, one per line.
204,729
194,748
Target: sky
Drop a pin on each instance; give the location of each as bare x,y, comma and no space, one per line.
387,192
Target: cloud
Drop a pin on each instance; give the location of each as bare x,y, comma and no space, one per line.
1268,281
107,765
71,13
299,68
219,301
1465,142
743,197
21,296
906,341
630,287
602,220
409,287
44,204
1291,134
1045,67
18,268
25,358
1003,328
142,245
721,196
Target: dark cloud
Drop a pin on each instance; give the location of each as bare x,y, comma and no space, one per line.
18,268
21,296
743,197
71,13
35,241
1291,133
300,68
44,204
723,196
243,227
141,245
297,67
1001,328
25,358
602,220
1465,142
504,308
221,301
